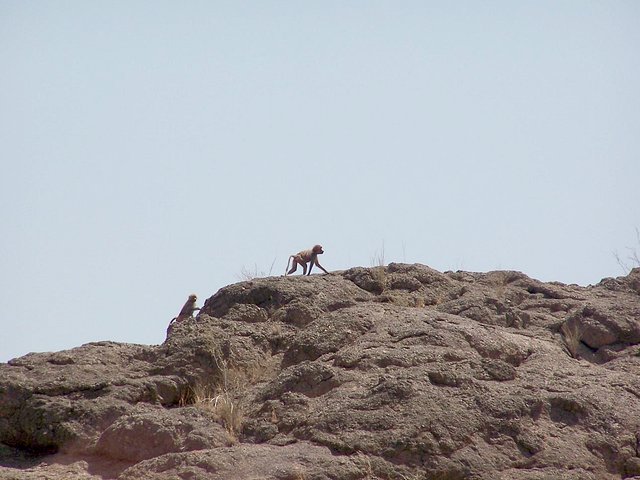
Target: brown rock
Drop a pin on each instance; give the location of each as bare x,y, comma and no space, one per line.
389,372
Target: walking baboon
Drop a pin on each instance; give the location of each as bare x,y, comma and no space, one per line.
304,257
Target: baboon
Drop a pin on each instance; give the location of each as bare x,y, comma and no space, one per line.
188,308
187,311
304,257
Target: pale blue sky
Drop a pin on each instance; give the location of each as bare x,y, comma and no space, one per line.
150,149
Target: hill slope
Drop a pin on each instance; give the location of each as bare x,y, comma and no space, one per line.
397,372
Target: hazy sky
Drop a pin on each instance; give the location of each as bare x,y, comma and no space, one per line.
151,149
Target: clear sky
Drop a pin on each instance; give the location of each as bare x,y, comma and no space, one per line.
151,149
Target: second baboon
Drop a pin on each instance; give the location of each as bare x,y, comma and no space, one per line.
186,312
188,308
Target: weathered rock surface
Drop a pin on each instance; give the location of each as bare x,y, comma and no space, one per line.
397,372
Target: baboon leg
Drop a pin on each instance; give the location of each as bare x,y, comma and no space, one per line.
294,267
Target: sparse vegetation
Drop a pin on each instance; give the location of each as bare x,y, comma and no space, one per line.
377,259
379,276
221,396
414,477
247,274
220,403
632,258
363,461
572,336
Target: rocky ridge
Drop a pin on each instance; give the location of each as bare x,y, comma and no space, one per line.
398,372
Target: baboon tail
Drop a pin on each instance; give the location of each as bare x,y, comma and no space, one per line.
288,262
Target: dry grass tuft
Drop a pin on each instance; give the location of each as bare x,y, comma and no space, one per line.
220,404
377,259
417,477
571,336
222,395
379,275
247,274
363,461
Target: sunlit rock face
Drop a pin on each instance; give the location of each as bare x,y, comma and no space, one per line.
396,372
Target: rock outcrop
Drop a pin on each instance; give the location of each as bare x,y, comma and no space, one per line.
397,372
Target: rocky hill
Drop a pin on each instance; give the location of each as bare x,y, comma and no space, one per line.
397,372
